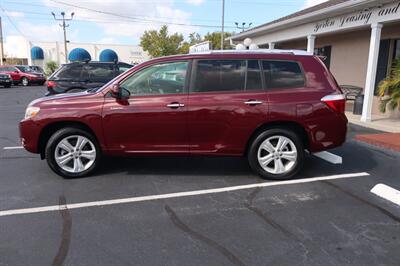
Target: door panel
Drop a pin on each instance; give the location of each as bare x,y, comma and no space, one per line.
154,119
222,122
146,124
226,104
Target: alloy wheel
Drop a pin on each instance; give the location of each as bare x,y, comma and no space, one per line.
75,154
25,81
277,155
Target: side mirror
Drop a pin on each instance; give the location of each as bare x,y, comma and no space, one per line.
119,93
16,71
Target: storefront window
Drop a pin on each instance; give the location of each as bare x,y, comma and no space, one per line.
326,53
397,49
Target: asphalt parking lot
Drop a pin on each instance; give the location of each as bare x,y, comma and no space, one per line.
327,216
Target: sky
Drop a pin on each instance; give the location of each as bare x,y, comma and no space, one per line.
124,21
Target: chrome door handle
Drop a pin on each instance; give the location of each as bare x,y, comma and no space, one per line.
175,105
253,102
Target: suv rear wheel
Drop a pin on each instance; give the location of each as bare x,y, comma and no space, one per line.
24,81
72,152
276,154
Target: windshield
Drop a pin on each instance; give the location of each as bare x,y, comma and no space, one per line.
24,69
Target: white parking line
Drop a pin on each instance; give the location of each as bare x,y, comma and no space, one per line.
387,193
330,157
13,148
176,195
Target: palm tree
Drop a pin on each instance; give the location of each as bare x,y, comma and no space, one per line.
389,88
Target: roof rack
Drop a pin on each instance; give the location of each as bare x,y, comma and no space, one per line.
256,51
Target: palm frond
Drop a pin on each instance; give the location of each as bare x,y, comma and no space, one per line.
389,88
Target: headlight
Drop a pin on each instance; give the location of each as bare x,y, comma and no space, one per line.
31,112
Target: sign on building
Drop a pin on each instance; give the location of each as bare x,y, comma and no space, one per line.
200,47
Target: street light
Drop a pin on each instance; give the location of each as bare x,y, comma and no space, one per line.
64,26
243,26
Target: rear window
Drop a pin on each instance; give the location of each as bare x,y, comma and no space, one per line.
227,75
69,72
282,74
98,72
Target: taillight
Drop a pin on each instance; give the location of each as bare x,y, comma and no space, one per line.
51,84
336,102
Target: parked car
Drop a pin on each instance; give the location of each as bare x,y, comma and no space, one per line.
269,106
37,69
5,80
21,74
81,76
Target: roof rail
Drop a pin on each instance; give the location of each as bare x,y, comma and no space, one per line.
256,51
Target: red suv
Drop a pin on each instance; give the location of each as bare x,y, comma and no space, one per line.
23,75
269,106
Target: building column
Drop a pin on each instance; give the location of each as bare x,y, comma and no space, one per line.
271,45
371,71
28,47
310,43
58,54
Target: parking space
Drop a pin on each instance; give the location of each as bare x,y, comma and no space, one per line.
327,216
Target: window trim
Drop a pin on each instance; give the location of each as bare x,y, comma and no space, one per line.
303,74
194,76
185,86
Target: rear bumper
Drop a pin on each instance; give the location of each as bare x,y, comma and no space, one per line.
29,134
330,133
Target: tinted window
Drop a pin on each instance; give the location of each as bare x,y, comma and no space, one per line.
69,72
24,69
167,78
123,68
253,79
282,74
220,75
98,72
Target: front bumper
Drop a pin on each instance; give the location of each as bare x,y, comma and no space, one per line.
5,81
29,134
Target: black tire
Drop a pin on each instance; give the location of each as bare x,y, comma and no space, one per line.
7,86
253,153
60,135
25,81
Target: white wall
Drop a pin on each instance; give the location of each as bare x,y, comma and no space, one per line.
19,47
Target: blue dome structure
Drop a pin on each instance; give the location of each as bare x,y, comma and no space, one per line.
108,55
37,53
79,54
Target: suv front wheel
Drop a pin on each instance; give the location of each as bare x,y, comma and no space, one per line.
72,152
276,154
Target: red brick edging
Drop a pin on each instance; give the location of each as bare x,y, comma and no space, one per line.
389,141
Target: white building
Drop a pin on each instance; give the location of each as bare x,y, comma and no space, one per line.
359,38
20,47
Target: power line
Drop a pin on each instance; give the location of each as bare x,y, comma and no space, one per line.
11,21
134,18
45,14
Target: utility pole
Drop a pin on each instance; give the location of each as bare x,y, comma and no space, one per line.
64,26
243,27
1,42
222,28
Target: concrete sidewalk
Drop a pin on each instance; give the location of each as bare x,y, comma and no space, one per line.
378,122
